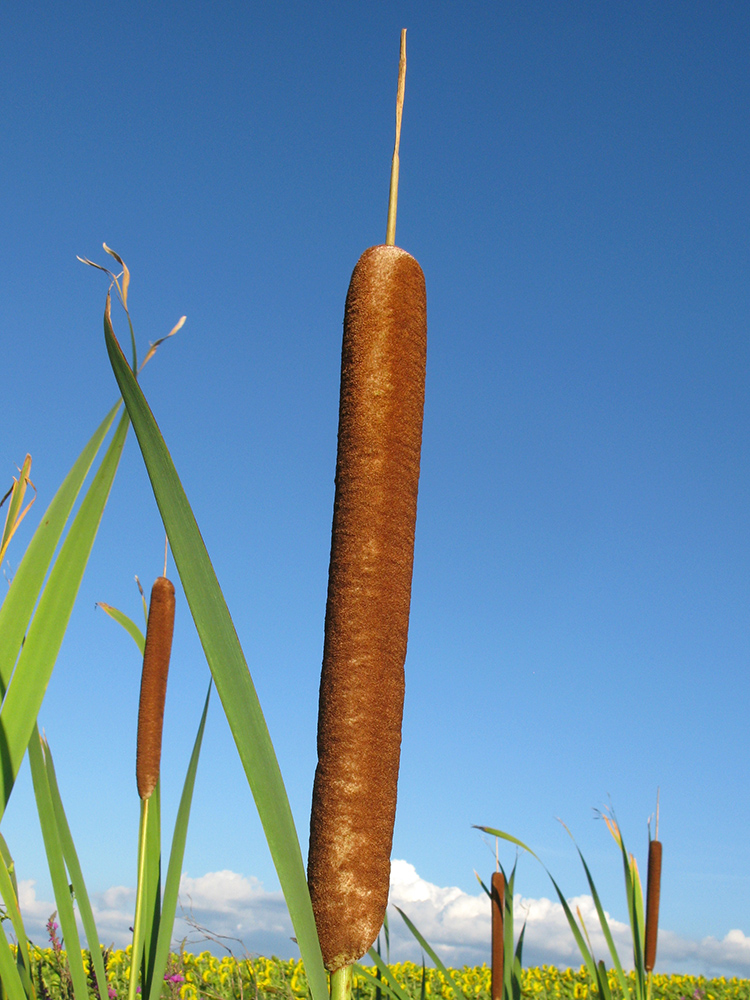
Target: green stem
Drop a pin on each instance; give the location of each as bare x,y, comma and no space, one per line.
341,983
140,899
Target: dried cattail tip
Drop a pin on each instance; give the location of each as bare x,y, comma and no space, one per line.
498,930
154,685
652,902
369,592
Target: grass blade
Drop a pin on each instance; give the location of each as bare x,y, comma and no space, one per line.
45,634
621,978
505,836
9,893
15,515
56,863
10,978
152,899
432,953
387,981
508,933
174,869
518,966
73,865
127,623
228,666
19,602
136,953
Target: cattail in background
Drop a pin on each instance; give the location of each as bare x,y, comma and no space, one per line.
652,901
156,655
369,593
497,895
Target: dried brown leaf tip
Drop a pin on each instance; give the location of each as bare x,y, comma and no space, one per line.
154,685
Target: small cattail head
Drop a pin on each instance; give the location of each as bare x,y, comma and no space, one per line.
497,895
156,656
653,892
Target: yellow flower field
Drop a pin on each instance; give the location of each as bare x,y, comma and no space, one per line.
207,977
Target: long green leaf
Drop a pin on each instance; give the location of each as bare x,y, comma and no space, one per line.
380,984
73,865
139,921
45,634
9,893
517,965
588,958
508,932
152,909
228,666
15,514
19,602
9,974
603,981
432,953
635,907
56,863
127,623
174,869
621,977
572,923
387,980
505,836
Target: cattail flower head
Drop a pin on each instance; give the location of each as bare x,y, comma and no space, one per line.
497,894
653,892
156,656
369,593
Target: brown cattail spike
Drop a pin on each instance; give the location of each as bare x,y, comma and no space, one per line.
498,930
369,591
652,902
154,685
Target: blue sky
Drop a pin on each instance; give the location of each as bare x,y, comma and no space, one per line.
574,184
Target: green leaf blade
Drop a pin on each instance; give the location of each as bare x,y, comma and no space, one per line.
174,869
228,666
45,634
18,605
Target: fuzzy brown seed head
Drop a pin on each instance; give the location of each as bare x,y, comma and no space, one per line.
369,593
497,892
154,685
653,893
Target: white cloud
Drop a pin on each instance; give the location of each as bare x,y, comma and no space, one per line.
457,925
238,910
240,913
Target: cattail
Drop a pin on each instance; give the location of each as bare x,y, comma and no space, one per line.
653,890
369,592
154,685
498,929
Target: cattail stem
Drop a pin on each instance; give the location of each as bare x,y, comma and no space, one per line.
498,930
136,953
390,231
341,983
